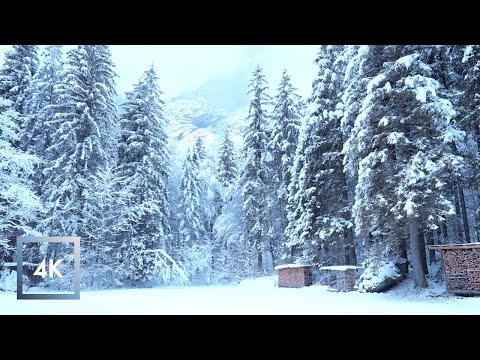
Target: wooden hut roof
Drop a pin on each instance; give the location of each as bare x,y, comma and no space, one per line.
455,246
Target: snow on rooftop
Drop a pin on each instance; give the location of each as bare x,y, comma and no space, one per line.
14,264
453,246
340,267
290,266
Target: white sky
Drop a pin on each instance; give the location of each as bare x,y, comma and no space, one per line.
222,70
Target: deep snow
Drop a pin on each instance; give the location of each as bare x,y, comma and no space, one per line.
258,296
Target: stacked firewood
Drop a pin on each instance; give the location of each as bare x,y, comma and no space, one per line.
346,280
462,268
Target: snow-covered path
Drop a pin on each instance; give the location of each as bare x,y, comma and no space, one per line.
258,296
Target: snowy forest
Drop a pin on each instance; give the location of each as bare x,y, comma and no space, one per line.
381,160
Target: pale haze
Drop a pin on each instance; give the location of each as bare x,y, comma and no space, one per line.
219,72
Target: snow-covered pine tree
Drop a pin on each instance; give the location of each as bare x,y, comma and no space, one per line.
39,101
19,66
466,64
253,174
283,141
404,136
81,144
320,228
200,149
19,206
191,229
195,247
229,260
105,216
227,164
231,254
444,61
143,171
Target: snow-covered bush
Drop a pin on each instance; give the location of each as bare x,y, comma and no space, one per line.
8,280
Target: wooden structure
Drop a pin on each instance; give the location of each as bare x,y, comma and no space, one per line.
294,275
344,279
461,263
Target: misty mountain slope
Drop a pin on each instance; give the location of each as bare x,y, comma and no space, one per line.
192,117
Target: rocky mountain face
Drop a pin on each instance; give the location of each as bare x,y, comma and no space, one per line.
192,117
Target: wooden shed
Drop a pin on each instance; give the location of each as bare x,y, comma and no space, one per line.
294,275
461,263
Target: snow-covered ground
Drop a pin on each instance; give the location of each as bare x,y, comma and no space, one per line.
258,296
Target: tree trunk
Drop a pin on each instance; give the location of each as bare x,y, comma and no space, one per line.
459,228
443,228
403,254
259,256
463,210
431,253
421,241
273,251
477,135
350,253
418,273
349,249
460,208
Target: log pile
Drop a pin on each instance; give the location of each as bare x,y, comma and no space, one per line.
345,280
294,277
462,269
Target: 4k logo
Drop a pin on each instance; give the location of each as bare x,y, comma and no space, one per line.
53,268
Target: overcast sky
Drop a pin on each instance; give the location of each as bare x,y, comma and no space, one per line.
221,72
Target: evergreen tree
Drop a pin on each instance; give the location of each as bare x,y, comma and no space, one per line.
404,137
41,98
19,66
191,227
253,175
143,160
321,224
19,206
81,144
231,248
282,146
200,149
195,246
466,65
227,164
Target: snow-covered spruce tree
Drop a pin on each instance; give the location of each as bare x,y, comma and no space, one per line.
19,206
227,163
282,145
404,138
200,149
39,103
40,99
210,197
143,173
81,144
229,250
447,67
105,224
321,226
195,247
231,254
466,63
253,175
191,227
19,67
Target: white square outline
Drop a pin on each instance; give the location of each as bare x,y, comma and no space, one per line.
76,267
